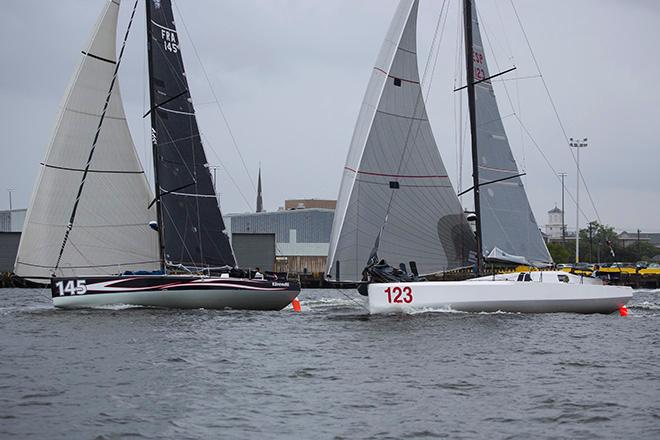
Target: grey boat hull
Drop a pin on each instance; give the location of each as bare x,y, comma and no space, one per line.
180,292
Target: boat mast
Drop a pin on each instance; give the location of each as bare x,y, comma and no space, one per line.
469,59
154,144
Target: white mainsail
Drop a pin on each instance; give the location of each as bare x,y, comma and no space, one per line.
508,225
110,232
394,183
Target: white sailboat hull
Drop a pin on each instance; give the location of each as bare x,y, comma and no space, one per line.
493,296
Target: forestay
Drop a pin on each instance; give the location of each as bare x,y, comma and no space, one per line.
192,229
394,179
110,233
507,221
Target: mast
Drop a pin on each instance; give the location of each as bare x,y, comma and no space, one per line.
154,144
469,54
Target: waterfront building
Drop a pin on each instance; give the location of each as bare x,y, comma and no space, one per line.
12,221
301,235
11,225
632,238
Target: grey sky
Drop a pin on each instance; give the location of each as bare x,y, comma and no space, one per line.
291,75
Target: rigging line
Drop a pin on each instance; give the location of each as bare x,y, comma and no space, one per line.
96,138
482,26
458,123
215,97
518,78
547,161
182,240
554,106
238,188
361,304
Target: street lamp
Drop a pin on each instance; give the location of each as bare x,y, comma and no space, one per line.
563,221
10,190
213,168
577,144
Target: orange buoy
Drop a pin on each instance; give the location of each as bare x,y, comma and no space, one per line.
296,305
623,311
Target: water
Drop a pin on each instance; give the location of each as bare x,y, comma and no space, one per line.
330,372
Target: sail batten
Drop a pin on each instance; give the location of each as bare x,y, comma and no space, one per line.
395,190
110,233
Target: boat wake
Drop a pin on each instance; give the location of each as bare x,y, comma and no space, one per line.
325,303
646,305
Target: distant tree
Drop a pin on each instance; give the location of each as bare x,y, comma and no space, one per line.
598,242
559,253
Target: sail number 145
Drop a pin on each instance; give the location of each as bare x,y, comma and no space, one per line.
77,287
399,295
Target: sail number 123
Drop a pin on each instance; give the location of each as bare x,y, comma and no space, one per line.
398,295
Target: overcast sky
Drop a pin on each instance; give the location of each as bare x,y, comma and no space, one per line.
291,75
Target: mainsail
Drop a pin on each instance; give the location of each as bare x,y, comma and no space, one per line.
395,187
191,226
507,222
110,232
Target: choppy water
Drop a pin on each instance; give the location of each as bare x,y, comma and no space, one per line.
330,372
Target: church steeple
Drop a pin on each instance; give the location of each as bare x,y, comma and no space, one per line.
260,202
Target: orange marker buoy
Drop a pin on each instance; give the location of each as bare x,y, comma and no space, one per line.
296,305
623,311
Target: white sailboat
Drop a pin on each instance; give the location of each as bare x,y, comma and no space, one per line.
395,200
93,229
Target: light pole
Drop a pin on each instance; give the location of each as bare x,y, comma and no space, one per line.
10,190
577,144
563,221
214,168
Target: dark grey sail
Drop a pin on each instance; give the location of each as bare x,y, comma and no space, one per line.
508,225
191,227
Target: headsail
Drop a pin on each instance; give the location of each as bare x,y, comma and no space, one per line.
110,233
507,221
192,230
395,185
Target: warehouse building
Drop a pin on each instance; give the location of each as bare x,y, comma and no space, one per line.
301,236
11,225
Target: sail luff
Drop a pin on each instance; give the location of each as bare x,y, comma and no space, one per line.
111,231
508,223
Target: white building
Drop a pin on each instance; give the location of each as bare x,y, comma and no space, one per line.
554,227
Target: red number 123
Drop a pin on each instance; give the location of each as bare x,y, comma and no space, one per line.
398,296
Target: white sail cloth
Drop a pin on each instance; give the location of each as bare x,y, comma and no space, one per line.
394,180
110,232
